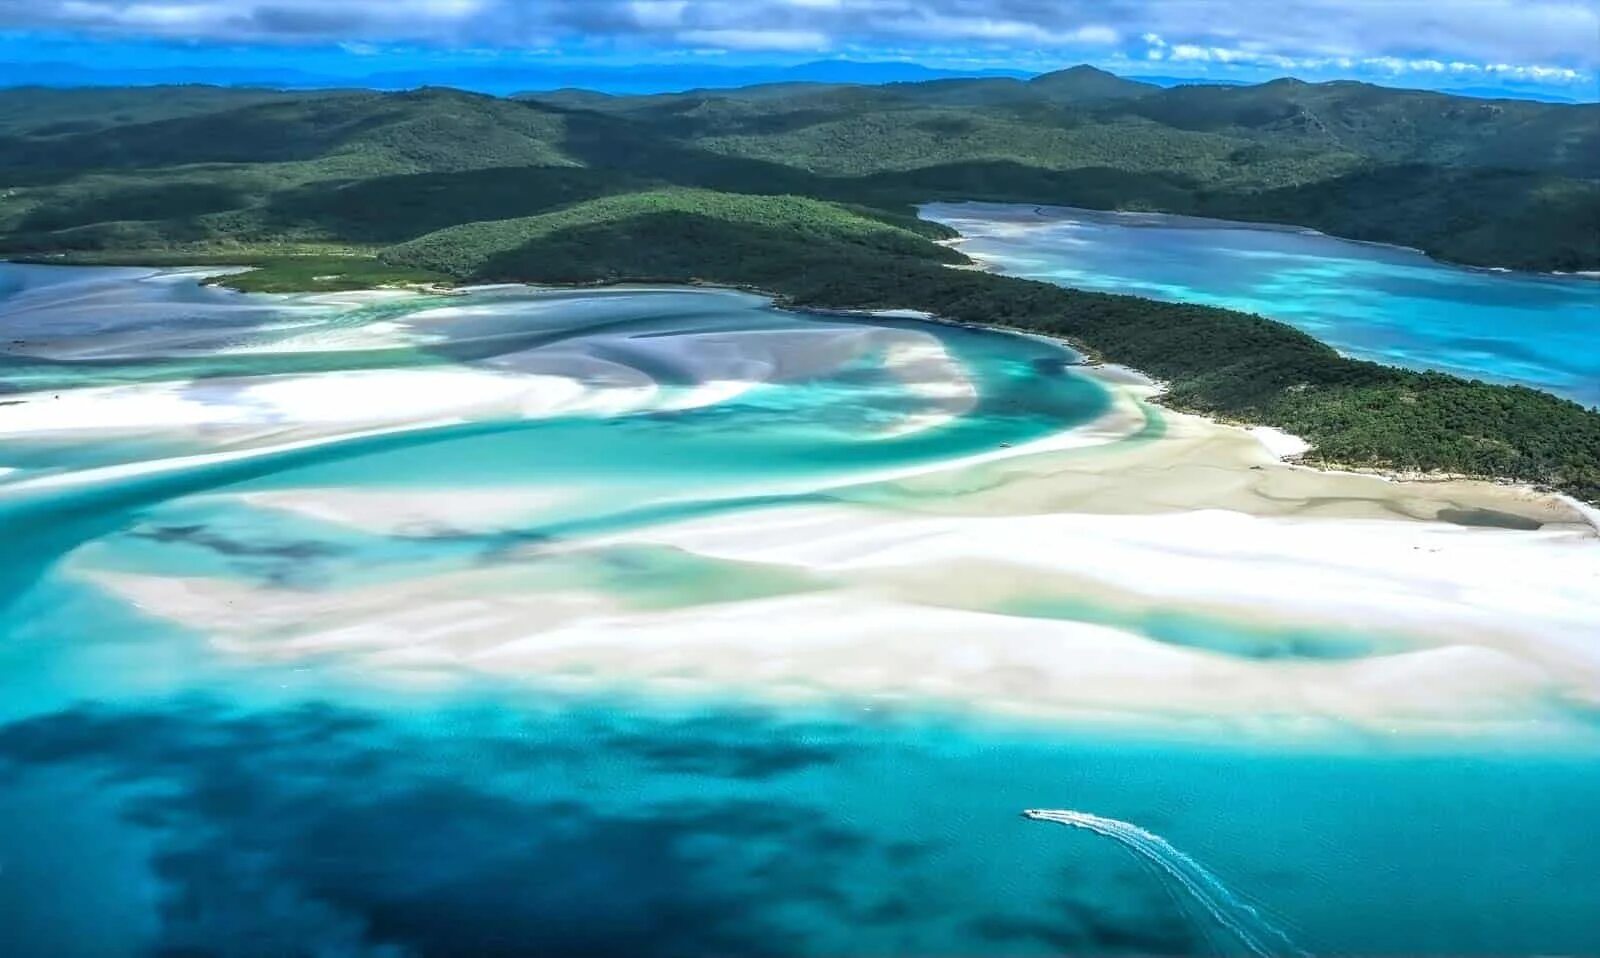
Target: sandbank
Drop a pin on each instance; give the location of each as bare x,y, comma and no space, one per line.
923,588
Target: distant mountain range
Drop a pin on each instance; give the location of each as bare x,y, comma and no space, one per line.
604,78
1482,92
500,80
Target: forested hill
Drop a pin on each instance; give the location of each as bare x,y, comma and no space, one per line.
1486,182
808,190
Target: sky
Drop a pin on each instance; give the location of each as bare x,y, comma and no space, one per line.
1551,46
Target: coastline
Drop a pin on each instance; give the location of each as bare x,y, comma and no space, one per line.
1150,567
1304,449
1187,221
1089,359
1307,450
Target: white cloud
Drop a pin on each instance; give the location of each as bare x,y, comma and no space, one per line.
992,30
658,13
793,40
1545,39
1188,53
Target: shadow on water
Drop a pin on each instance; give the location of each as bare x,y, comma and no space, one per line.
315,830
1489,519
55,519
482,830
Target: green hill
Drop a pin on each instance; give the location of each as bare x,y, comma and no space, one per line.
194,168
351,134
1085,84
1077,85
675,235
1391,126
46,111
269,172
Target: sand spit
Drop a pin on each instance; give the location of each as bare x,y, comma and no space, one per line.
356,398
859,642
1149,459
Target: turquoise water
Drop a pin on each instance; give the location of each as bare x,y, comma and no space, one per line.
516,826
1374,302
161,793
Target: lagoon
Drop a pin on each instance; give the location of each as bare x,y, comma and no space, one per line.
1382,303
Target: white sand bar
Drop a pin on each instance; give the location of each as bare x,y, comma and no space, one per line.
1486,630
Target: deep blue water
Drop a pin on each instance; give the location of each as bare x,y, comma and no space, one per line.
164,795
507,824
1374,302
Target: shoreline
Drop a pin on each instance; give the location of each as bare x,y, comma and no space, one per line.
921,596
1091,357
1187,221
1088,359
1091,361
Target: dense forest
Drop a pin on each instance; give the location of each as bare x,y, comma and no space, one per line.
807,190
1487,182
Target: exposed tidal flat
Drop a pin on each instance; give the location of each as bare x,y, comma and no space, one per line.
661,621
1370,301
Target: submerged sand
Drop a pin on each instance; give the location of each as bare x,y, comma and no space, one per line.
1042,580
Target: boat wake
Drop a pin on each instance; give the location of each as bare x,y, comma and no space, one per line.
1235,915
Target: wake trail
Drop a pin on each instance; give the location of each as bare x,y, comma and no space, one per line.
1233,913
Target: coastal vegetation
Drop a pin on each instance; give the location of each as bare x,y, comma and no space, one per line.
807,191
283,270
1215,361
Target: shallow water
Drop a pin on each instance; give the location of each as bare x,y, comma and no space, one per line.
167,789
1374,302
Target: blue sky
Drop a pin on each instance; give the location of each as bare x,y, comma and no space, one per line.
1549,45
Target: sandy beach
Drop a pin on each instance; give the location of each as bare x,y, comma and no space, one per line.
1042,583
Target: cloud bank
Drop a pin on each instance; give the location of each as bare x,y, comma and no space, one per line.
1555,41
